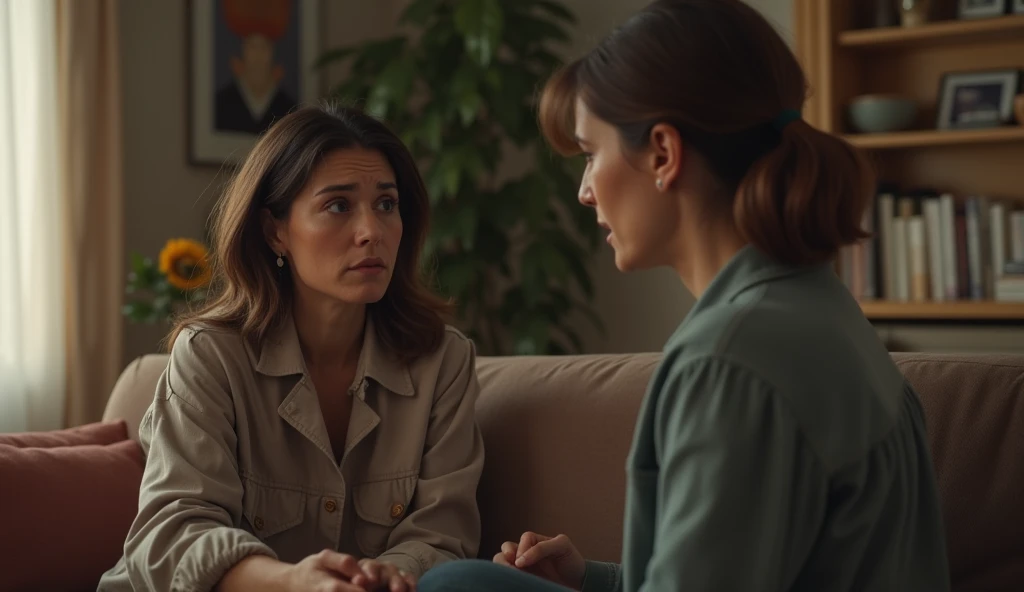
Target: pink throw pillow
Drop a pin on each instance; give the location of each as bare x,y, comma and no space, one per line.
65,513
93,433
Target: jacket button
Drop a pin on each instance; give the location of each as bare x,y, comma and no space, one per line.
330,505
258,523
396,510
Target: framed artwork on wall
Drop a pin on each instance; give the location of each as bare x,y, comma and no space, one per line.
250,62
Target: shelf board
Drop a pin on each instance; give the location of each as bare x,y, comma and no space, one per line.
937,33
974,310
924,138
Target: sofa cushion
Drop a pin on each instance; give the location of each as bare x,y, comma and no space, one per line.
98,433
65,523
557,431
134,391
974,408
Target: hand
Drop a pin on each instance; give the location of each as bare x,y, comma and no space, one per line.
554,559
376,575
327,571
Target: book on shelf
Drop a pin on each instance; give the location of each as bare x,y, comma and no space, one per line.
938,247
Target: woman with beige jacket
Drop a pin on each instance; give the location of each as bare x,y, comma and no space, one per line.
314,427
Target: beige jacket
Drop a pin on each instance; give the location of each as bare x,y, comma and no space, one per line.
239,462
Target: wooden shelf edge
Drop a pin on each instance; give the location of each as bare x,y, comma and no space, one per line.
923,138
942,31
939,311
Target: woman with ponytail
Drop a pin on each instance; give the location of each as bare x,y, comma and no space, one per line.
778,447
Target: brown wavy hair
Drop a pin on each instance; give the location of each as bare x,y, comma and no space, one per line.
718,72
249,294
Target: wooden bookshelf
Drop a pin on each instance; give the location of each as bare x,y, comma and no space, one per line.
926,138
843,62
938,33
957,311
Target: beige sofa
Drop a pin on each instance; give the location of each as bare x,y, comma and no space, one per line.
557,430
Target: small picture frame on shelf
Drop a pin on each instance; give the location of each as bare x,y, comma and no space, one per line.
971,9
977,99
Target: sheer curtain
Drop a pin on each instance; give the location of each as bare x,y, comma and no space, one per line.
89,102
32,316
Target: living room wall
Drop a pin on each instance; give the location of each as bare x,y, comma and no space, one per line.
166,197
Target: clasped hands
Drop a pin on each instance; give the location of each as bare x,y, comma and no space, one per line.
330,571
554,559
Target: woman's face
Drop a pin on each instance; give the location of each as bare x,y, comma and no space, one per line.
341,236
640,218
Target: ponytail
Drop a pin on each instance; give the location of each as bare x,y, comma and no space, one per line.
804,200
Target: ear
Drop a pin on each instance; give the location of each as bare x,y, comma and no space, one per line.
274,232
667,154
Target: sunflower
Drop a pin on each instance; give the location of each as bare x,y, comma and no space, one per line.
184,262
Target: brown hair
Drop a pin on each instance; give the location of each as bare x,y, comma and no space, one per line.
250,295
718,72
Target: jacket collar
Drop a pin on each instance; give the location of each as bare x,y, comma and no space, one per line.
280,354
749,267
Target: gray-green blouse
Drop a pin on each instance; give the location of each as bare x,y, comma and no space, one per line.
778,448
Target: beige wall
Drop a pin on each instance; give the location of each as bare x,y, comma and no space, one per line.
166,197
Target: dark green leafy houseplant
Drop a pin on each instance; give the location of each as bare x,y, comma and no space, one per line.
460,88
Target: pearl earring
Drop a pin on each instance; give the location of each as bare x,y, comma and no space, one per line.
660,184
280,260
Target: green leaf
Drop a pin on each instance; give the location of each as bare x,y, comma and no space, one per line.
452,177
444,176
492,246
469,106
456,274
480,23
375,55
432,130
535,201
506,107
501,209
551,259
138,264
493,79
138,311
532,270
392,87
466,220
419,11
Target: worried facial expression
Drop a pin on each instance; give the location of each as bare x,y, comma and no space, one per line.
342,233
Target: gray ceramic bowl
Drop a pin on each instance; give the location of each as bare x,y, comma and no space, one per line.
881,113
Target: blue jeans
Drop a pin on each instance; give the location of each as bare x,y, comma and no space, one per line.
477,575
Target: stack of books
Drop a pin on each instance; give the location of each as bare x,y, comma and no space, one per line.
1010,286
929,247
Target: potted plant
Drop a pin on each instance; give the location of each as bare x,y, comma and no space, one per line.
460,86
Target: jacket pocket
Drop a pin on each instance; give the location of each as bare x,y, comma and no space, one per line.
380,506
271,510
